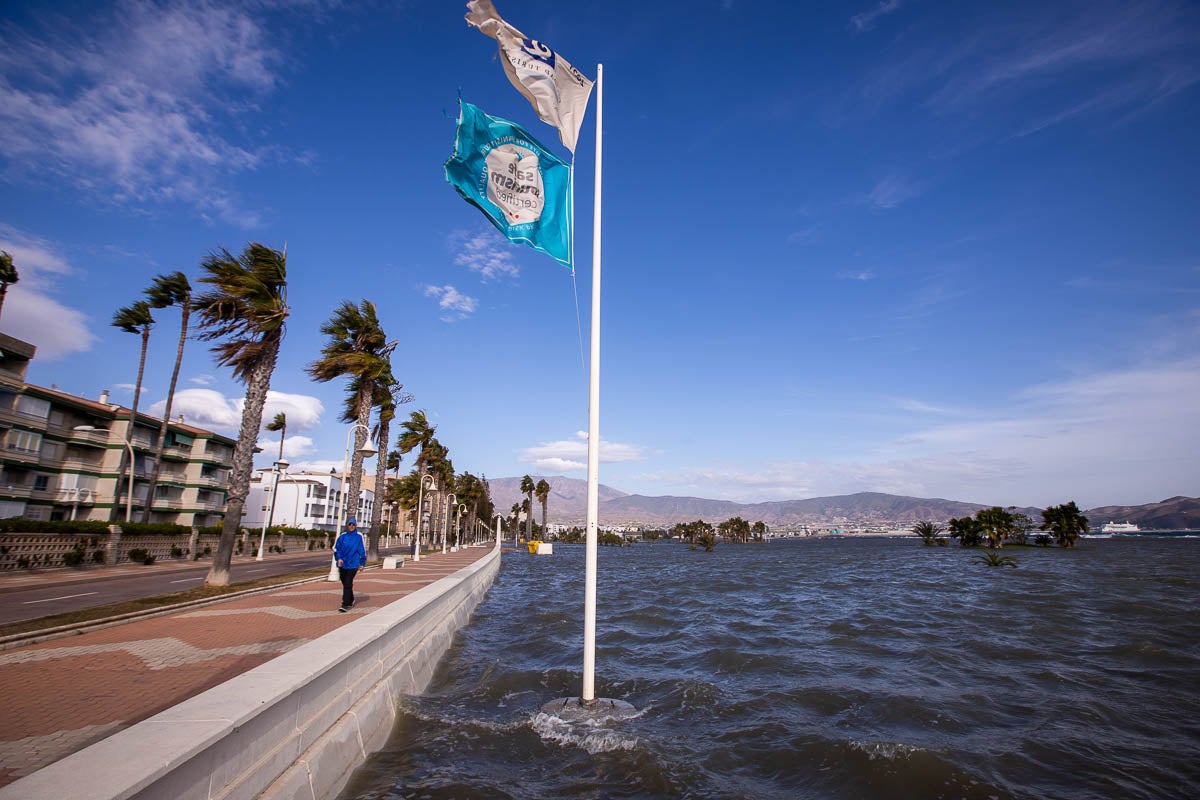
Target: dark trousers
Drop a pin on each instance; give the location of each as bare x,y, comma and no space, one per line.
347,576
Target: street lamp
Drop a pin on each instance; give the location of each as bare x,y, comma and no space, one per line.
421,512
458,512
450,501
117,491
279,467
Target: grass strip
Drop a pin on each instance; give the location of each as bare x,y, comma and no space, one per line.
151,603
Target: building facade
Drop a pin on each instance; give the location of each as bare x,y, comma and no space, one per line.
306,500
65,457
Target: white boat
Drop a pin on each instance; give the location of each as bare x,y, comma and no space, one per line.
1119,527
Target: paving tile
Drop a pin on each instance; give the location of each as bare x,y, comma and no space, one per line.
63,695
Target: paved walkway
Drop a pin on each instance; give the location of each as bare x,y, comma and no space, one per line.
63,695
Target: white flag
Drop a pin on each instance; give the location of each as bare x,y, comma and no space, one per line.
558,91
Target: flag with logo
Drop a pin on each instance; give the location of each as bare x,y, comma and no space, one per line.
517,183
558,91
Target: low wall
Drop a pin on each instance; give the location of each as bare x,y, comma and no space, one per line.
294,727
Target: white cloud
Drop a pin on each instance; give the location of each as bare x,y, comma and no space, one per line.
293,448
203,380
863,275
208,408
865,20
454,304
568,455
29,306
485,252
124,102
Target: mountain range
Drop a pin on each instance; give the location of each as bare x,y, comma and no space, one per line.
568,506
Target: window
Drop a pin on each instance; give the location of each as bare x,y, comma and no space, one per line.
33,406
24,441
57,418
12,508
40,482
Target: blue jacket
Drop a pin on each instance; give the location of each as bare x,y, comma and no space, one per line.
349,550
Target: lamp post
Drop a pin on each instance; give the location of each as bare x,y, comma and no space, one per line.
117,491
458,512
366,450
278,468
450,501
421,512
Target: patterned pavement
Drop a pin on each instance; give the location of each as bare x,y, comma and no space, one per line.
61,696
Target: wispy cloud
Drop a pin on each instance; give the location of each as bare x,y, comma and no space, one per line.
865,20
203,380
208,408
485,252
893,191
124,102
454,304
863,275
1122,436
570,455
30,311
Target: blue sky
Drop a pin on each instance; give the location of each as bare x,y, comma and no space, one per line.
936,249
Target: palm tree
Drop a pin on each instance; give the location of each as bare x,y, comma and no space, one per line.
997,524
417,434
357,349
245,313
8,274
542,490
967,530
387,397
1066,522
994,559
528,488
928,532
134,318
164,292
278,425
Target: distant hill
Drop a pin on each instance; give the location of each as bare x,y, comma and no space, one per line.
568,506
1172,514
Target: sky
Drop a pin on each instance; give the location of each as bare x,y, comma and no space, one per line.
931,249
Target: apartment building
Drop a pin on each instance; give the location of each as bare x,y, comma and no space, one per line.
65,457
306,500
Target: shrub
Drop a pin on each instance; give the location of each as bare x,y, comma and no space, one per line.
23,562
99,557
176,552
208,551
73,558
137,554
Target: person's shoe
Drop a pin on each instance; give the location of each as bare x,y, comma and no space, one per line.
343,610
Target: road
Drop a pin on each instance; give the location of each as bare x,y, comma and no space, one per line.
57,596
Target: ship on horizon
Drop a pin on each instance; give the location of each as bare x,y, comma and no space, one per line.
1120,527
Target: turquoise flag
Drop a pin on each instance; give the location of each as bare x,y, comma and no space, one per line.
523,188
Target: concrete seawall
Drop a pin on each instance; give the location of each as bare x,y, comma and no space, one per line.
294,727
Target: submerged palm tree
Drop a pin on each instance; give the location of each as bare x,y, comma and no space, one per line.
528,487
994,559
358,349
928,532
134,318
8,275
1066,522
164,292
245,313
542,490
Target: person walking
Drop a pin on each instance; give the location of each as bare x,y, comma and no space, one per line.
351,556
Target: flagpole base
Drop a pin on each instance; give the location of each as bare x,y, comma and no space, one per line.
601,709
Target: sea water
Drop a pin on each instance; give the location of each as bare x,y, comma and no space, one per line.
821,668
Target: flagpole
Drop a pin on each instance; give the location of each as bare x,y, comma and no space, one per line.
593,477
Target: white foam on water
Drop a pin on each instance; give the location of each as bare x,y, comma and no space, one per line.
586,735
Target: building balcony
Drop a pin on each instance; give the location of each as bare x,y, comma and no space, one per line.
20,455
92,438
211,502
84,497
172,503
222,457
220,481
16,491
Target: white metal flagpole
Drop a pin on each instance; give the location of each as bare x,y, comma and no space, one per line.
593,469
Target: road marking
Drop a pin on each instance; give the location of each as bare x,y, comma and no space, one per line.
185,580
51,599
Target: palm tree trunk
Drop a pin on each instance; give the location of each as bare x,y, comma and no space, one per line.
529,519
166,420
380,490
366,389
125,465
3,292
243,464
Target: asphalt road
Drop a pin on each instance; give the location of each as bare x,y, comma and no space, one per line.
18,604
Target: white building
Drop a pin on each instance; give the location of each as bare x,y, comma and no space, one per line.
305,500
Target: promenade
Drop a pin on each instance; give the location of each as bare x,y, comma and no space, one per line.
63,695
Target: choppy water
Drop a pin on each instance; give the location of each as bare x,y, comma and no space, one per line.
821,668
